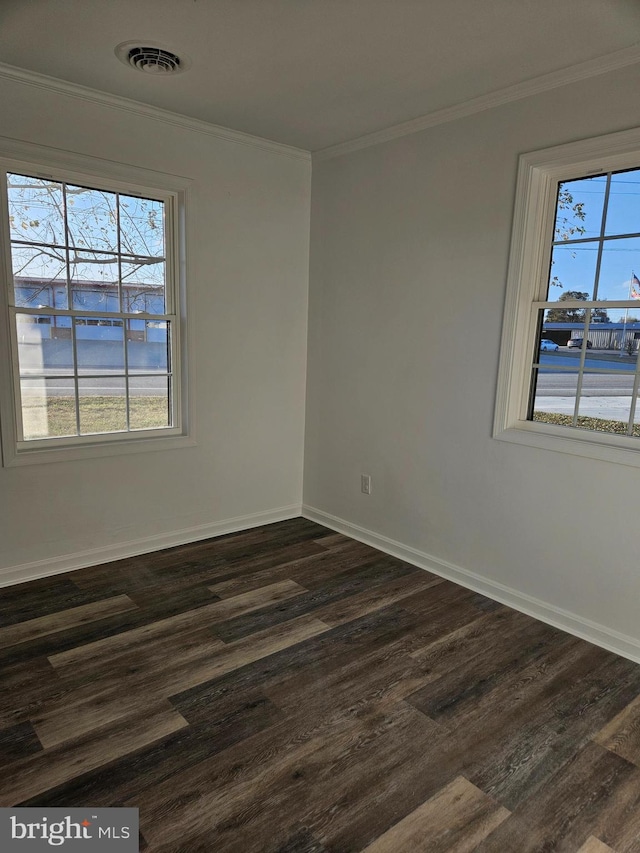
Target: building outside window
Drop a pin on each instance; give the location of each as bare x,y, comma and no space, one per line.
93,301
570,372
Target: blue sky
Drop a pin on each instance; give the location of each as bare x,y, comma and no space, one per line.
574,263
37,222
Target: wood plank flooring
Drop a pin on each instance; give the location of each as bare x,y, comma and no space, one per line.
288,690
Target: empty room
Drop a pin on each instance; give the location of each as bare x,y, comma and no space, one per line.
319,379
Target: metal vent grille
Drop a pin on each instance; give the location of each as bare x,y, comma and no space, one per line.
154,60
151,58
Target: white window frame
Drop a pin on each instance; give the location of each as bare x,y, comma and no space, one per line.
539,174
40,161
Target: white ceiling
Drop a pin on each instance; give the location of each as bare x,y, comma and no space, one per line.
314,73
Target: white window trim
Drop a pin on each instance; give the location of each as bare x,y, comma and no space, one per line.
26,157
538,175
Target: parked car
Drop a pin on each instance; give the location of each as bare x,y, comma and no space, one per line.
577,342
546,345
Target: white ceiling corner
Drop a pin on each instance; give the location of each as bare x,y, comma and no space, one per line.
326,76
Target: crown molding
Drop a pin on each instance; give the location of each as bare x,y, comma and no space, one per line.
534,86
545,82
75,90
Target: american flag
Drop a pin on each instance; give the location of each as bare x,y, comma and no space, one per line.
635,287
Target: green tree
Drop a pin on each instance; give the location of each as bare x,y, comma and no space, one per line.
568,315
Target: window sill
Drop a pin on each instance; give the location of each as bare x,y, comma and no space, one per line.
95,449
619,449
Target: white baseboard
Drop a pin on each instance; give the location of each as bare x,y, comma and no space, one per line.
94,557
593,632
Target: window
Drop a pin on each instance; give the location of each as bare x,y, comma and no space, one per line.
570,367
95,313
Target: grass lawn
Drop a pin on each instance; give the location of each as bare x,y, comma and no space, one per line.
56,416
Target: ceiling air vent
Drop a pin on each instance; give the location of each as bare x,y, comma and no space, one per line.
151,58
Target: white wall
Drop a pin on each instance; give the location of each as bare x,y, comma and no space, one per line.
248,248
409,253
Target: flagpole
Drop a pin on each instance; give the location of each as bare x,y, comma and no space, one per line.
624,326
633,294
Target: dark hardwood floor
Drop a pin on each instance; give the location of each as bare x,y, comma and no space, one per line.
288,690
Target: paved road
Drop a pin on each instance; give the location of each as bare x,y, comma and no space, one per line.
604,395
103,386
601,359
593,384
558,383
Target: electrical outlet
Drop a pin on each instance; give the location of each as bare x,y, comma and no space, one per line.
365,484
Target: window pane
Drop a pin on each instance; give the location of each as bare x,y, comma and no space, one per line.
100,345
575,341
143,286
61,328
94,281
601,337
39,277
623,210
92,219
573,270
554,396
620,259
550,337
34,343
147,345
579,208
44,348
608,329
149,402
560,313
141,226
605,401
93,255
615,334
618,383
103,405
36,210
48,408
636,418
555,328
